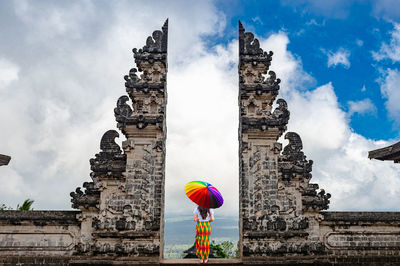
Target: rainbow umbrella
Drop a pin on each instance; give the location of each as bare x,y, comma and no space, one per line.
204,194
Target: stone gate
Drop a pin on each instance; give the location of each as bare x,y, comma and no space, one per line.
120,216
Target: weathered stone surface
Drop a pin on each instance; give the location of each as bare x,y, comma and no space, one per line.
122,209
280,210
38,233
110,162
361,217
275,193
390,153
39,217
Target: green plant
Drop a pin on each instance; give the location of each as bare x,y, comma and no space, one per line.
229,248
225,249
26,206
3,207
220,251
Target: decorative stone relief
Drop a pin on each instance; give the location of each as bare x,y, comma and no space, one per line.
124,203
277,203
110,162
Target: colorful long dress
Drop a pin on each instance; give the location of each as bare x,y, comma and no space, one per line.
202,242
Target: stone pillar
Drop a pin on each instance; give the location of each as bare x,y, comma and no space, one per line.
274,189
123,208
145,129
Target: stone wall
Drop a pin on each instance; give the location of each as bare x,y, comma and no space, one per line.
38,232
368,233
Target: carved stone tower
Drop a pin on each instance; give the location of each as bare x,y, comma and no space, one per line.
277,206
123,208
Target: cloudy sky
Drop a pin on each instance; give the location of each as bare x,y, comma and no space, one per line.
61,72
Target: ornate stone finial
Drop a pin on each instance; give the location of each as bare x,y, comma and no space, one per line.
85,200
258,86
249,49
278,119
281,114
107,143
146,85
151,60
293,151
293,162
110,162
313,200
155,48
123,111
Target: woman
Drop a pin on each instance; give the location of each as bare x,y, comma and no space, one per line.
203,217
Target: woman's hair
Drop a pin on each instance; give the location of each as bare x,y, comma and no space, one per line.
203,211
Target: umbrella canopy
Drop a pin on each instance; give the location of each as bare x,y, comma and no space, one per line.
204,194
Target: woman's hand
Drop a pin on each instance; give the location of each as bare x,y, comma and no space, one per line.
195,218
211,217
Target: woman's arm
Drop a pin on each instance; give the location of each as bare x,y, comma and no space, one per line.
195,218
211,217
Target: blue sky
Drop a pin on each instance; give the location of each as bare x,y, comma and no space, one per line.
355,27
61,73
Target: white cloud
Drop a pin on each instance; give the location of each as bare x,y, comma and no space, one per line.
8,72
390,90
340,57
390,50
257,20
317,113
286,65
202,128
361,107
363,89
341,165
51,21
388,9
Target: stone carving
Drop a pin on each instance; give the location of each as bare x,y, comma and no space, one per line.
140,121
277,202
85,200
110,162
313,200
293,162
127,188
151,79
249,49
146,85
155,48
123,110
